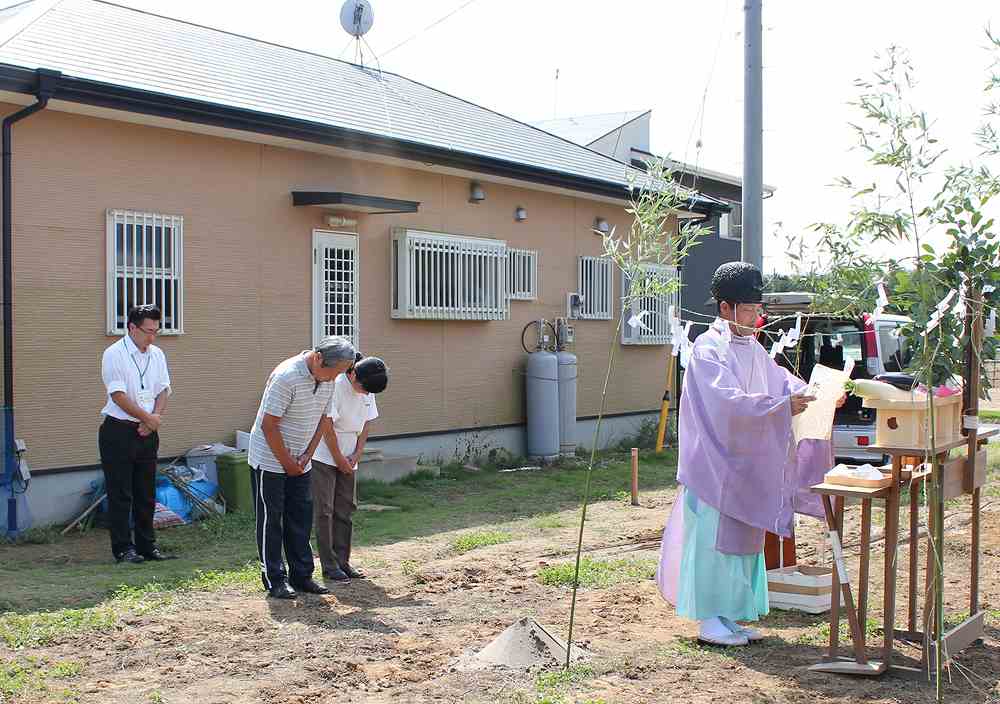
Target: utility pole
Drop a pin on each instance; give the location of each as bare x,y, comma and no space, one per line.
753,133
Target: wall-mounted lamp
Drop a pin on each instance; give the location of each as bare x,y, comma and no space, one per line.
601,226
340,221
520,214
476,193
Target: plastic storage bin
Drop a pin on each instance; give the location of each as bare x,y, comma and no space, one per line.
234,481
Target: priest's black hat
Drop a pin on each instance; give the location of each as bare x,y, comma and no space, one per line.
738,282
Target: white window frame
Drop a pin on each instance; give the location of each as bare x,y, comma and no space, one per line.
731,223
656,309
440,276
148,272
342,240
595,282
522,279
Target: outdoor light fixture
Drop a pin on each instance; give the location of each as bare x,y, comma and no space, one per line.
520,214
476,193
601,225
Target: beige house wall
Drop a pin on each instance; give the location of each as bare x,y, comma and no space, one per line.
247,284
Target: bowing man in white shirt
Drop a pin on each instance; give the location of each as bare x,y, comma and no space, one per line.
135,375
345,431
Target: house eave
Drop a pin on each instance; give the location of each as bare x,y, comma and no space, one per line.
93,93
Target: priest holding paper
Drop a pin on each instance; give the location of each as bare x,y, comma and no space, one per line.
737,466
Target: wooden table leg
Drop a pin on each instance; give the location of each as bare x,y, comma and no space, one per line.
834,520
891,550
831,522
914,554
866,546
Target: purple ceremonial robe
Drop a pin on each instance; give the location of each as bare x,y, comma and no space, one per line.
737,451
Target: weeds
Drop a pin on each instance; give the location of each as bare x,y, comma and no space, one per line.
479,539
598,574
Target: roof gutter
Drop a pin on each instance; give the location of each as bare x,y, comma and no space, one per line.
45,84
106,95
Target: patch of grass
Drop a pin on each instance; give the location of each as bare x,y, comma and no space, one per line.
470,541
821,635
990,416
408,567
623,497
598,574
418,478
644,436
30,676
44,535
43,627
552,686
690,647
550,522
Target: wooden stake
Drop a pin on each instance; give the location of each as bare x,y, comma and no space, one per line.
635,476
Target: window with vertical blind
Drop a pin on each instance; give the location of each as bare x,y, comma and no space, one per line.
145,265
653,312
594,277
522,274
436,276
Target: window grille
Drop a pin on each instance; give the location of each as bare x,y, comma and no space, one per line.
594,278
653,311
522,274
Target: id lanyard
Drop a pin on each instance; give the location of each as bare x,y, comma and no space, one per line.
142,372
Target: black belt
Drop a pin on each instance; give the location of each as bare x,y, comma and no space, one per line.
122,421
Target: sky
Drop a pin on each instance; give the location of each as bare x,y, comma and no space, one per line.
673,58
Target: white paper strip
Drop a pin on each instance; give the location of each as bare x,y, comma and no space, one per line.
883,297
991,323
838,558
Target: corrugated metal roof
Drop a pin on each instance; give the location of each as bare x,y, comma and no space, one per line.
107,43
586,129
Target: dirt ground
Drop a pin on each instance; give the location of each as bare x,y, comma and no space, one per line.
396,636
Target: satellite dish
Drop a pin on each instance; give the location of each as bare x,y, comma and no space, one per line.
356,17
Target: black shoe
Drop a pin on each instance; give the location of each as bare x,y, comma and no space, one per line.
351,572
338,576
282,591
156,555
131,556
310,587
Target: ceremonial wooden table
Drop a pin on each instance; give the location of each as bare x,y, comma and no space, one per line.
959,475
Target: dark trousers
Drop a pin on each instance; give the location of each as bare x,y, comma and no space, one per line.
336,501
284,509
129,464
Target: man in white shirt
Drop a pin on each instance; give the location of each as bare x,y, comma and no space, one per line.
137,381
345,431
284,436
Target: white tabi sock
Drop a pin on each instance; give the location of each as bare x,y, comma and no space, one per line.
751,634
715,632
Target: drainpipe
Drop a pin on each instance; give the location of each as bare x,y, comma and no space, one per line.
46,87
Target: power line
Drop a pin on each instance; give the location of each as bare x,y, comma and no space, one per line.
429,27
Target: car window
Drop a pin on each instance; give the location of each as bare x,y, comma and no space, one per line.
895,351
840,343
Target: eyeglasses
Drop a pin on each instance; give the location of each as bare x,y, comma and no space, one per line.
151,332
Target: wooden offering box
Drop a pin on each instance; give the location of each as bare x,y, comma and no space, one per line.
800,588
906,423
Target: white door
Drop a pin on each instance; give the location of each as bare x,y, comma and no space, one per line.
335,285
